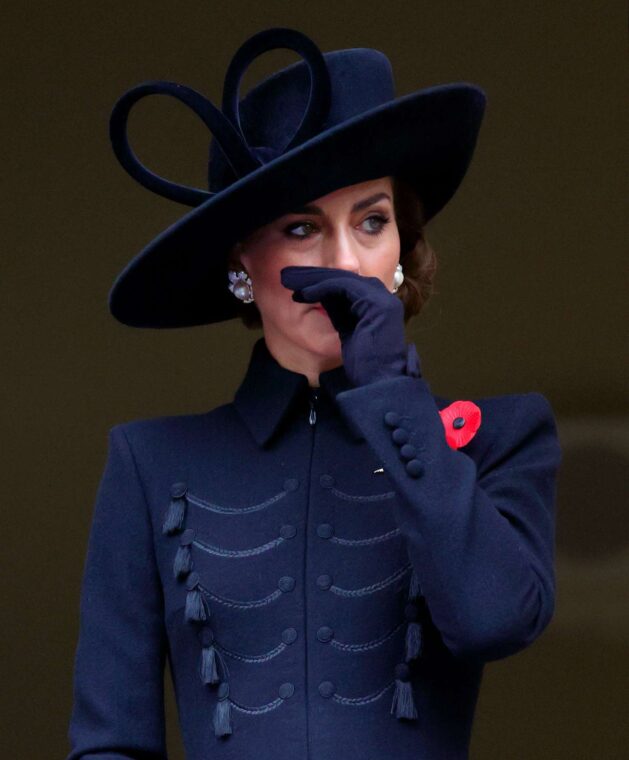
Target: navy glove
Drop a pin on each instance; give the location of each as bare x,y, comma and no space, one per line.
367,316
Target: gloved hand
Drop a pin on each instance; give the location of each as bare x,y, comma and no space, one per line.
368,317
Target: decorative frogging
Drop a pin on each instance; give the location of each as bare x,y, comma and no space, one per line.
213,668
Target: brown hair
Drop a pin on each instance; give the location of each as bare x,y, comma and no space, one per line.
418,260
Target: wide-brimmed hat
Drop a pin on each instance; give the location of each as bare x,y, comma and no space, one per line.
325,122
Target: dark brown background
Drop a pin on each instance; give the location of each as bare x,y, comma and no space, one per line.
530,297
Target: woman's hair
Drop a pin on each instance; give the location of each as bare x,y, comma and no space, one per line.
416,256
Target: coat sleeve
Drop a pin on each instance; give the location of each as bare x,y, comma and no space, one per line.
481,537
118,708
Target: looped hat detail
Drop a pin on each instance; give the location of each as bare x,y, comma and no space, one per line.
327,121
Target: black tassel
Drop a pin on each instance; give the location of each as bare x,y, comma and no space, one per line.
209,655
403,704
209,671
222,711
413,641
414,590
176,512
183,559
195,603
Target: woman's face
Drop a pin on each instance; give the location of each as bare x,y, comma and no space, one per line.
351,228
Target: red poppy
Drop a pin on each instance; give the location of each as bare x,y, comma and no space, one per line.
461,420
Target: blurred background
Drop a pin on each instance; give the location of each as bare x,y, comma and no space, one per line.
531,295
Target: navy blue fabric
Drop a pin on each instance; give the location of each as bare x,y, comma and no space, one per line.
303,526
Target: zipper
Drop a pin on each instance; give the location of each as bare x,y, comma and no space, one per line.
314,395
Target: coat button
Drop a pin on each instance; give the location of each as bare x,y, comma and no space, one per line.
325,530
286,690
223,690
291,484
392,419
326,689
414,468
324,581
325,633
400,435
192,580
286,583
177,490
289,635
411,612
207,636
327,481
408,451
187,537
288,531
402,672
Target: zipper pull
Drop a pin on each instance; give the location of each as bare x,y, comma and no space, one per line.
312,418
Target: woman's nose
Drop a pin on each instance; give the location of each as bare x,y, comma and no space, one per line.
341,254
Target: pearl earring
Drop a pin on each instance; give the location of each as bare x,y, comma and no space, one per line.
240,285
398,277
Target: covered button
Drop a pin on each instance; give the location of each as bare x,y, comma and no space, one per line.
402,671
414,468
192,580
325,633
291,484
324,581
207,636
326,688
392,419
325,530
327,481
223,690
288,531
289,635
187,537
177,490
286,690
408,451
411,612
286,583
400,435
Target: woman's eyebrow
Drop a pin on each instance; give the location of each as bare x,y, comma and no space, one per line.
312,209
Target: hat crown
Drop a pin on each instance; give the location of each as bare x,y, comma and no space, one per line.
360,79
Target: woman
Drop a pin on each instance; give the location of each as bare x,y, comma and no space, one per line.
328,560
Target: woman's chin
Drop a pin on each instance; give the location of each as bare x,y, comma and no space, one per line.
323,339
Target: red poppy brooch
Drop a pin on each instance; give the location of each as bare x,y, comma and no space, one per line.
461,420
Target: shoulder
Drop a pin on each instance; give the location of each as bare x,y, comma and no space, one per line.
512,425
503,411
172,431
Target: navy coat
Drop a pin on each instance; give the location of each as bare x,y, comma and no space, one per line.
317,593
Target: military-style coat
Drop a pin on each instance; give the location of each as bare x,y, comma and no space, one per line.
324,573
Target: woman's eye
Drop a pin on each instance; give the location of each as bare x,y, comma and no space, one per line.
377,223
292,227
381,222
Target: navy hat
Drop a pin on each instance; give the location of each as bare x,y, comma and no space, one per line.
325,122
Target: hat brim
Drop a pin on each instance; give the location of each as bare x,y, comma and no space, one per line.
180,278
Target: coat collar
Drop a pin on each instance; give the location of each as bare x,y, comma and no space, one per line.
269,390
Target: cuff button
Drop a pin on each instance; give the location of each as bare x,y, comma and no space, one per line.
414,468
408,451
400,435
392,419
